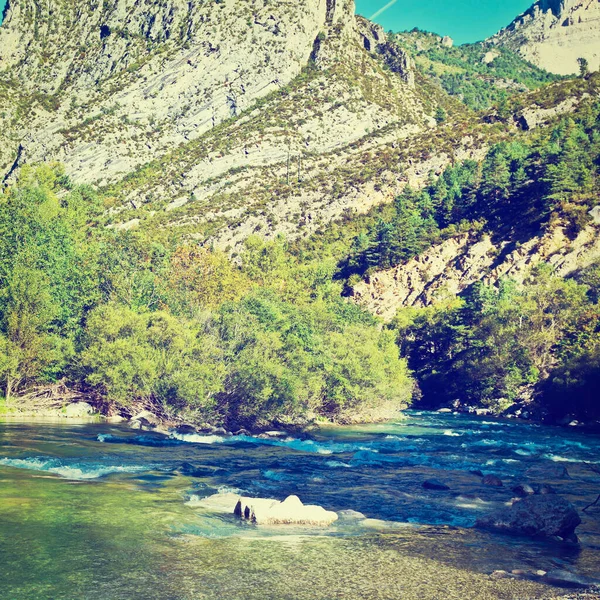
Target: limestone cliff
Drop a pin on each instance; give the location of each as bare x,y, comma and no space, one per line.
450,267
227,117
147,75
553,34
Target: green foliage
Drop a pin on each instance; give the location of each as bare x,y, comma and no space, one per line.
130,318
519,187
584,67
480,75
497,342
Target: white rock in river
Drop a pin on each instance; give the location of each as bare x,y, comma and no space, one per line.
289,512
266,511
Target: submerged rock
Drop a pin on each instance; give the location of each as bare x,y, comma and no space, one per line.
434,484
289,512
568,579
544,489
492,480
523,490
351,515
536,516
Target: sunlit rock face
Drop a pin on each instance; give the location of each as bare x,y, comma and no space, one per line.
195,111
553,34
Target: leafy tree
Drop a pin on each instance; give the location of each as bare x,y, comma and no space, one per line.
584,67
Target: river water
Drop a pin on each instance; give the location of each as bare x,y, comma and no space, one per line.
98,511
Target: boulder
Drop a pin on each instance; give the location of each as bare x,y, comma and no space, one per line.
220,431
351,515
547,516
500,574
543,489
273,435
289,512
567,579
492,481
79,409
185,430
523,490
434,484
116,419
595,214
146,418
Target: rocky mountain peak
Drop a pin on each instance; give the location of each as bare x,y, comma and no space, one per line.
553,34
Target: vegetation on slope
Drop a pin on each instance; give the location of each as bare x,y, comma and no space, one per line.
498,343
479,74
125,318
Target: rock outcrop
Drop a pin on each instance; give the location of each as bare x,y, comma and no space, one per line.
448,268
239,117
553,34
289,512
547,516
120,82
266,511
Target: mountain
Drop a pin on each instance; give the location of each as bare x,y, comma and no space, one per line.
240,210
479,74
553,34
208,116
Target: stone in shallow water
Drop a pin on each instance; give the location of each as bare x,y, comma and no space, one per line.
79,409
523,490
434,484
351,515
289,512
267,511
537,516
492,480
567,579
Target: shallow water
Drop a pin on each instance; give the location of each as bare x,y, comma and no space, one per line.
99,511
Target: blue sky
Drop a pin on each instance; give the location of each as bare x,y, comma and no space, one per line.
462,20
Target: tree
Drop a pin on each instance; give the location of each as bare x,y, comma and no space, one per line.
584,67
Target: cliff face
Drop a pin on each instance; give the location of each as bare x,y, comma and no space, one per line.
193,112
138,67
450,267
553,34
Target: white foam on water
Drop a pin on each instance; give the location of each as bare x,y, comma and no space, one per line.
76,471
558,458
310,446
451,433
523,452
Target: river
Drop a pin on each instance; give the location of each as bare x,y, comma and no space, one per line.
98,511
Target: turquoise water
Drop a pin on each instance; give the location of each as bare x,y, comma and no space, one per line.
99,511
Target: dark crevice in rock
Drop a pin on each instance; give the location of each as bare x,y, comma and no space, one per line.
15,165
